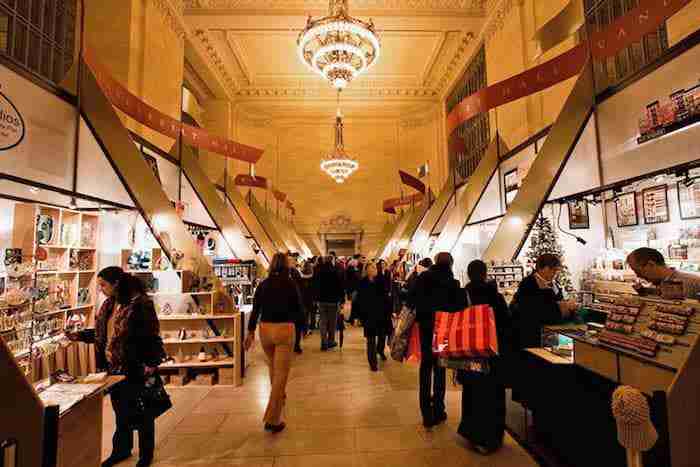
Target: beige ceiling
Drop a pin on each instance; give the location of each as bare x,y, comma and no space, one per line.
425,44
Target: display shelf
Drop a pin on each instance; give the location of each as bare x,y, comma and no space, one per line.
56,273
197,364
193,318
152,271
213,340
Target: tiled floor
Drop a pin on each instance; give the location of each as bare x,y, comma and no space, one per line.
338,414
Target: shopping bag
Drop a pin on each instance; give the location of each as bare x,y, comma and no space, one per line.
470,333
414,354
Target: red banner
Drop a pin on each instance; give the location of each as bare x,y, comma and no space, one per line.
250,180
389,205
622,33
413,182
153,118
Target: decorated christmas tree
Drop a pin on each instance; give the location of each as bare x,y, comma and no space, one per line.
544,240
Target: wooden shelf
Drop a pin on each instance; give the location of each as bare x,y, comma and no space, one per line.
50,273
198,364
151,271
66,247
193,317
214,340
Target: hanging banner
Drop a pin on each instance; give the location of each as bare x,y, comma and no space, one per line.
250,181
290,206
413,182
621,33
389,205
124,100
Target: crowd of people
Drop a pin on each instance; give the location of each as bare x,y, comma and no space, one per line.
328,293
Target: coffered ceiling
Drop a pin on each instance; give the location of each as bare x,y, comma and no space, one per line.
425,44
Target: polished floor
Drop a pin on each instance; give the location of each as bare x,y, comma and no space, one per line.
338,413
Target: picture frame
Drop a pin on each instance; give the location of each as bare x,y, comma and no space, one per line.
655,205
511,185
579,219
626,210
689,200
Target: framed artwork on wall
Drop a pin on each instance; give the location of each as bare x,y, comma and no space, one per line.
689,200
655,205
511,185
578,215
626,210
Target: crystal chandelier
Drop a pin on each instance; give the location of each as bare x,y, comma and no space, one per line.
338,46
339,165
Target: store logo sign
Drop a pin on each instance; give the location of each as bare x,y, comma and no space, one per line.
12,128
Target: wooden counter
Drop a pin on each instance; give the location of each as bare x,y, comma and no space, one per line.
80,426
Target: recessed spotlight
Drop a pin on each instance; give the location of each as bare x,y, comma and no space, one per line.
33,190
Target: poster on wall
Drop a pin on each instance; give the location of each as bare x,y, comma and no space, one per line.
655,205
626,210
511,184
689,200
578,215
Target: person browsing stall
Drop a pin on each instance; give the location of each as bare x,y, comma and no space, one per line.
539,302
648,264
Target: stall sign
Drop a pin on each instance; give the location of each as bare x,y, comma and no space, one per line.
12,129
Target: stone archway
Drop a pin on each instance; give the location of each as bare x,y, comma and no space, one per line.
341,235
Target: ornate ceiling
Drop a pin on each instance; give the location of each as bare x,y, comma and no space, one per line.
252,45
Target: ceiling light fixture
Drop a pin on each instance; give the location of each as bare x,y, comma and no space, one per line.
339,165
338,47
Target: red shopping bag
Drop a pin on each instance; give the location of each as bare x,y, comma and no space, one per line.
470,333
413,354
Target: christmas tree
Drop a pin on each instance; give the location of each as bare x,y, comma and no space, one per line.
544,240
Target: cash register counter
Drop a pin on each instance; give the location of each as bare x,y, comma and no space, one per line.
570,400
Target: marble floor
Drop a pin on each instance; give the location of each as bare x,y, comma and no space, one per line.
338,414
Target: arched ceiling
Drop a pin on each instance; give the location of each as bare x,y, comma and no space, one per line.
425,44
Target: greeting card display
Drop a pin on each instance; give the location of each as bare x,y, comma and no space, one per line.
655,205
626,210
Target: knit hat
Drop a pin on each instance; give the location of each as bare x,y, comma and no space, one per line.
631,411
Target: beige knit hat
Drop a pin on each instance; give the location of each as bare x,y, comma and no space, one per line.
631,411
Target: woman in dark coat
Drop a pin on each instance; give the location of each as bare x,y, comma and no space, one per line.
127,342
371,304
484,394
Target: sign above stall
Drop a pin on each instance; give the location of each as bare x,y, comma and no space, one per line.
12,129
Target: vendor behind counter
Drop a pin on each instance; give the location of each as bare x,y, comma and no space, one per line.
648,264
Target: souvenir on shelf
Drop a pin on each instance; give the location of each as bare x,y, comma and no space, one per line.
69,234
44,229
140,260
83,296
13,256
88,234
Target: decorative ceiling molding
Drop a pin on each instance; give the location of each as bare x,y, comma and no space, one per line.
476,8
366,93
199,87
172,12
498,12
420,120
204,42
457,62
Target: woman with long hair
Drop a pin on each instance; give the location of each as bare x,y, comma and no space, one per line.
127,342
277,305
371,305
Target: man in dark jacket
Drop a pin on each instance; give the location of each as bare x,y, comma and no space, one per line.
434,290
330,294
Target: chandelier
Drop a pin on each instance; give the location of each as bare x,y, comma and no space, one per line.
338,46
339,165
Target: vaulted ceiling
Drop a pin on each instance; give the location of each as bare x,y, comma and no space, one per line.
425,44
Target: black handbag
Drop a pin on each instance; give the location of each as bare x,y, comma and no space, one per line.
150,400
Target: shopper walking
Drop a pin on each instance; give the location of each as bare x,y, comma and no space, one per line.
277,305
484,394
127,342
331,295
434,290
371,304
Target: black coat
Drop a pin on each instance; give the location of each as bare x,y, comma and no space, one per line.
372,305
435,290
144,346
277,300
532,308
328,285
487,294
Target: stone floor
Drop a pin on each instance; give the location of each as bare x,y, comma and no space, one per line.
338,414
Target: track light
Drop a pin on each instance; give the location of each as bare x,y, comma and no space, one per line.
73,204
